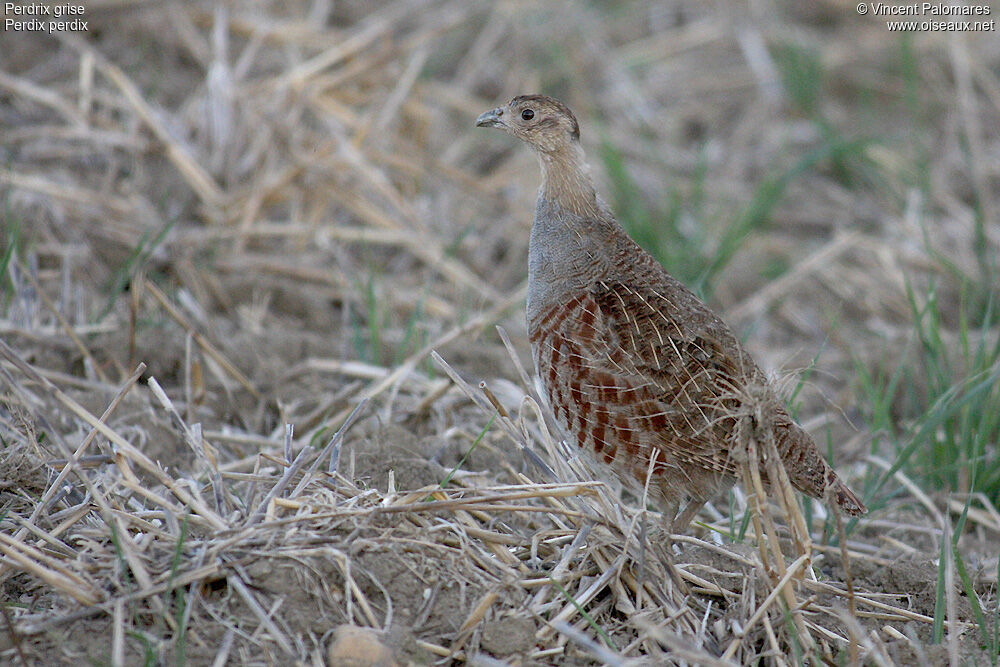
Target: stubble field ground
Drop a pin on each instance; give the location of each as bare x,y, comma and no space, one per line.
282,215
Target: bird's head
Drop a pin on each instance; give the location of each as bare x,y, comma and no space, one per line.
544,123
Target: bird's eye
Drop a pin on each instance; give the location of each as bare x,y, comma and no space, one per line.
527,114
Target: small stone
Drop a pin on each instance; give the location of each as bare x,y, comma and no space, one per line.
354,646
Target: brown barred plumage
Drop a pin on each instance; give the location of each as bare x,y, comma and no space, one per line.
639,373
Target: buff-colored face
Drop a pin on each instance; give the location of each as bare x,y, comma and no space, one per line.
542,122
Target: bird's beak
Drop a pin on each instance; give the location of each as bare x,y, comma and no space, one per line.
491,118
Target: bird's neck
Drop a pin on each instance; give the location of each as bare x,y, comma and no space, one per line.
571,236
566,181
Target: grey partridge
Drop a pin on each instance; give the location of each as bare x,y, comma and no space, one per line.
639,372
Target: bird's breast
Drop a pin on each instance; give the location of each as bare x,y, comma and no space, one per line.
564,258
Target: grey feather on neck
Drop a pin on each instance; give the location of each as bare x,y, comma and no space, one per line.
566,180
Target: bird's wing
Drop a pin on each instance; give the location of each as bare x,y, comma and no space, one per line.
644,365
684,369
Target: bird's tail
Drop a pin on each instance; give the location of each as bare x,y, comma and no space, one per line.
846,498
811,474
